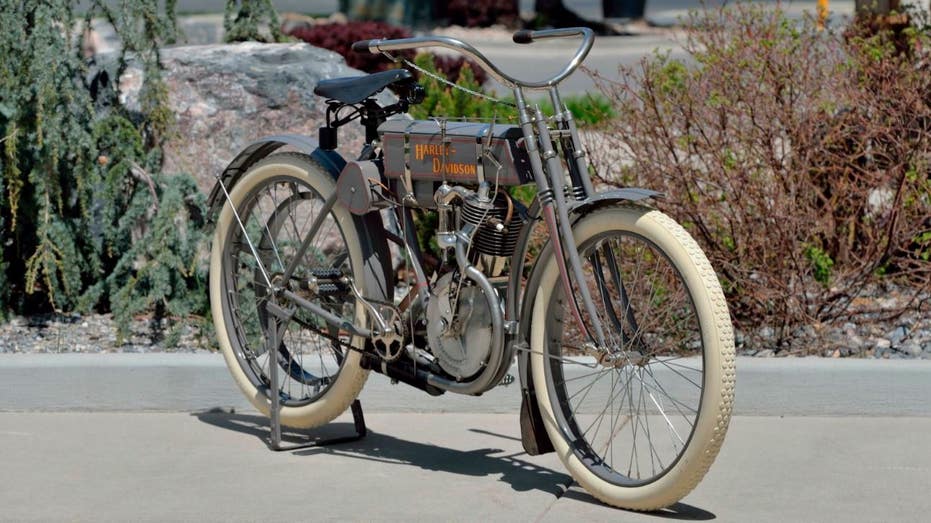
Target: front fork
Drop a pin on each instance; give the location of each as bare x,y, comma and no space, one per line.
553,203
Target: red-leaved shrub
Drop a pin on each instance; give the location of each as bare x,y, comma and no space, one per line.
479,13
340,37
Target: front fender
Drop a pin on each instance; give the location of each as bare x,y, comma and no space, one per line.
577,210
533,435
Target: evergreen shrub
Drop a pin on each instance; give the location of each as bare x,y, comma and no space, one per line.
87,219
443,100
251,20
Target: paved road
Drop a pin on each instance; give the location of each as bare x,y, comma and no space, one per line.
590,9
542,60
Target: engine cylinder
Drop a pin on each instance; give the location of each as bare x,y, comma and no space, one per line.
498,222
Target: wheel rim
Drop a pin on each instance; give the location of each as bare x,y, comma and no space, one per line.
630,421
276,215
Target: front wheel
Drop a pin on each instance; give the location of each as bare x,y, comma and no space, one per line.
639,421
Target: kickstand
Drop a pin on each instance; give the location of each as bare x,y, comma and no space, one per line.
277,322
274,440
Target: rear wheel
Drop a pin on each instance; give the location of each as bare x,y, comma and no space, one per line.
639,422
276,202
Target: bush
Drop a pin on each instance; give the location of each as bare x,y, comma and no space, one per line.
798,158
443,100
480,13
243,21
450,66
83,223
588,108
340,37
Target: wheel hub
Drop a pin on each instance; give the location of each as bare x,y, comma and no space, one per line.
615,358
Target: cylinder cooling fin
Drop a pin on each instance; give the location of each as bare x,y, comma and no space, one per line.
498,222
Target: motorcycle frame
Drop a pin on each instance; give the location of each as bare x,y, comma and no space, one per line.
558,204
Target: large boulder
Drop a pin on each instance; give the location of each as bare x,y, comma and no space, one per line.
225,96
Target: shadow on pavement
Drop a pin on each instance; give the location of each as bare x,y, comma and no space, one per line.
677,511
520,474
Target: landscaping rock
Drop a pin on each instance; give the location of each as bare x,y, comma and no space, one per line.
226,96
897,335
64,333
912,349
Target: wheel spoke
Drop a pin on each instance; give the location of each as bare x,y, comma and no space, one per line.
652,324
276,213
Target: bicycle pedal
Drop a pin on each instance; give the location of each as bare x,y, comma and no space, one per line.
332,289
506,380
329,273
326,282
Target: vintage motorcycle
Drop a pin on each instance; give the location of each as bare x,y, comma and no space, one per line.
621,333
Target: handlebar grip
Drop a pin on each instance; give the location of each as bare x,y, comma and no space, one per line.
524,36
362,46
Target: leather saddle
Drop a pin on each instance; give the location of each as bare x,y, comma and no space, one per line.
354,89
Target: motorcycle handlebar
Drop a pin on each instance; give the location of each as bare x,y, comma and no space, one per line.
521,37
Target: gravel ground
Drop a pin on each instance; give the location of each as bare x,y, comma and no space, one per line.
97,333
885,322
902,337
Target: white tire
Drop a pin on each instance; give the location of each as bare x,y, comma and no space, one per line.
669,472
232,320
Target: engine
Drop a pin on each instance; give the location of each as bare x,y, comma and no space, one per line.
498,221
459,314
459,326
451,167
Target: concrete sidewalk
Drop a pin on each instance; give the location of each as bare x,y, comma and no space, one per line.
435,467
169,437
192,382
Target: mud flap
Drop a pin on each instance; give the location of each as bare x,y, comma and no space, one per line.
533,434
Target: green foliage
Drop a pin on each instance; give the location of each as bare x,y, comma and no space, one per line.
143,28
922,244
148,276
83,223
588,108
41,145
243,21
443,100
821,264
525,194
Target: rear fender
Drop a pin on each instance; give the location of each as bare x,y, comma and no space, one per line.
246,158
378,283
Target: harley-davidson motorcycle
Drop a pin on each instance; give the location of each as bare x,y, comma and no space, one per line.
621,333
